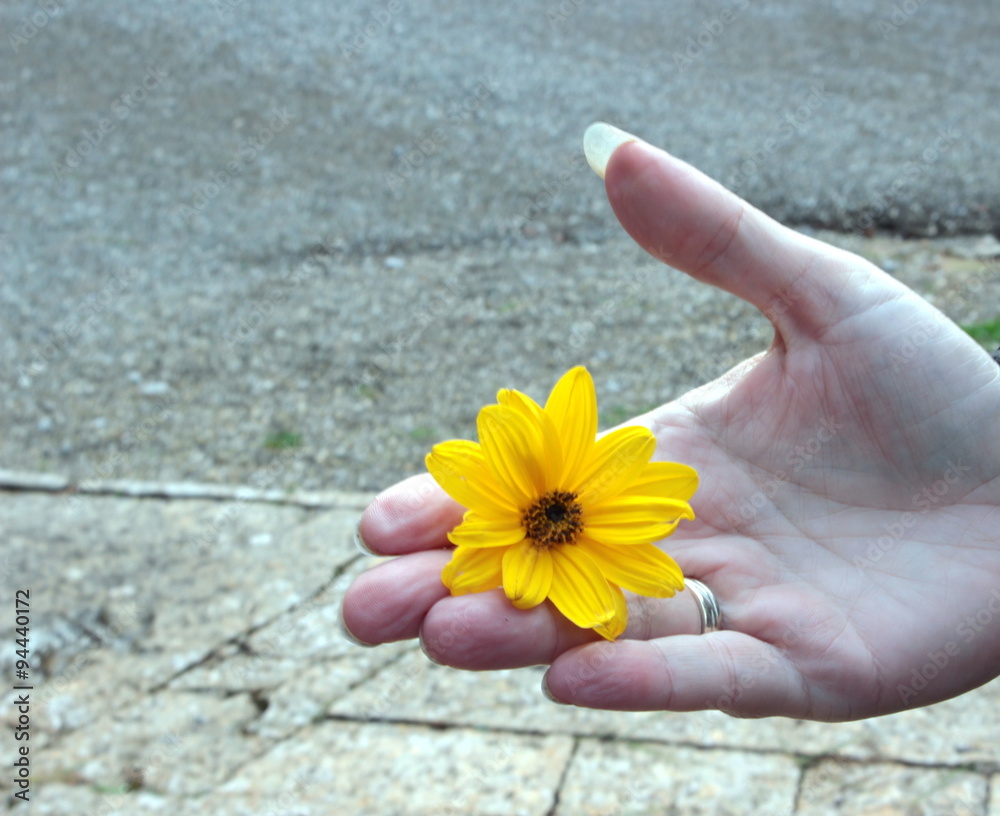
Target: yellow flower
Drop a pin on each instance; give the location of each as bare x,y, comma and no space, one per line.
552,513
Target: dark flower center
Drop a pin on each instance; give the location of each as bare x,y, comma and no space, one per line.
556,512
556,518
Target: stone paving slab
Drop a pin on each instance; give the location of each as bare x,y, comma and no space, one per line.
214,681
954,732
384,769
62,799
127,593
831,789
164,573
296,665
167,742
634,778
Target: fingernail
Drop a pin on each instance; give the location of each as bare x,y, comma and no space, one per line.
428,653
348,634
600,141
359,541
547,692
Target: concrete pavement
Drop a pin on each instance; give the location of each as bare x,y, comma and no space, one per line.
176,672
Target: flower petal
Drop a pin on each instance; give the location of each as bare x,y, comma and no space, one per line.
478,532
473,570
551,457
638,510
666,480
459,466
644,568
527,574
628,535
572,407
513,451
579,590
614,627
617,459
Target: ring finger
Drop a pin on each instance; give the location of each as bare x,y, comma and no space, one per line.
405,598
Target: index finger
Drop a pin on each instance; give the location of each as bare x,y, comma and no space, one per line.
412,515
684,218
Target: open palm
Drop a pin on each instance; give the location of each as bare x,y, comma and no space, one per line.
847,519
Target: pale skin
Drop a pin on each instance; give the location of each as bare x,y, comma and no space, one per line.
847,518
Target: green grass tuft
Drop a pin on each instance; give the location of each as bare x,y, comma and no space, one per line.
987,332
617,414
422,434
283,440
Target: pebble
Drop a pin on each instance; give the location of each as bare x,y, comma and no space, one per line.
154,389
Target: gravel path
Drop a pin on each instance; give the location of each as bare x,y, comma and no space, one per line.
315,238
334,371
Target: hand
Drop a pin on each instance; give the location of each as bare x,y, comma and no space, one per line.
847,519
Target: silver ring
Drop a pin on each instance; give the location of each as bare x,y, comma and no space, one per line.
708,607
